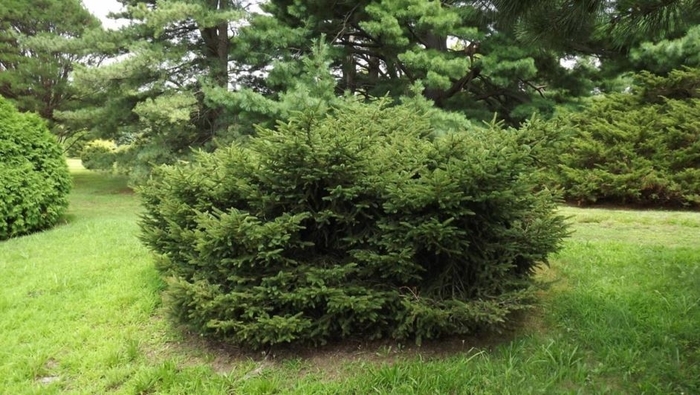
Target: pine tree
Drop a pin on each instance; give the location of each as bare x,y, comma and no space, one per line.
39,48
454,50
670,54
583,25
152,95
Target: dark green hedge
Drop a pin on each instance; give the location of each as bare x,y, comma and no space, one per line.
351,225
637,148
34,178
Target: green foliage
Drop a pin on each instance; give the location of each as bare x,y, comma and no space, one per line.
155,99
664,56
38,50
34,179
73,146
89,306
99,155
585,24
639,148
199,74
465,61
310,85
359,223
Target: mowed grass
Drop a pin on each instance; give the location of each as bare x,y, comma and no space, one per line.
81,313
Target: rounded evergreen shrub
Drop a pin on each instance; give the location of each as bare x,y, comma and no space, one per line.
358,224
99,155
34,178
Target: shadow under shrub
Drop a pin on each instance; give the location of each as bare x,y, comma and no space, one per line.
34,177
357,224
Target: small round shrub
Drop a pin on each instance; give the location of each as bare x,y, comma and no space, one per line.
359,224
34,178
99,155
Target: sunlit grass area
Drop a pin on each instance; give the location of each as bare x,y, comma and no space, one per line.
81,313
77,300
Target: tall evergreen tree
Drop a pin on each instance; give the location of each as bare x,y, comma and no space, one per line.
38,51
152,95
615,37
193,73
580,23
464,58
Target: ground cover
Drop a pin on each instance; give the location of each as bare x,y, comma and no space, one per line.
80,313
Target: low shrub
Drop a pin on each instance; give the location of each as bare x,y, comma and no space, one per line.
99,155
358,224
34,178
638,148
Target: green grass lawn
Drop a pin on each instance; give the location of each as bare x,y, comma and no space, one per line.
80,312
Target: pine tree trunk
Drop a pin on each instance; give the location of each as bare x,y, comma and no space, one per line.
217,50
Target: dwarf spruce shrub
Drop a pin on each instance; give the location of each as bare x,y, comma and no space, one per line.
639,148
356,224
34,178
